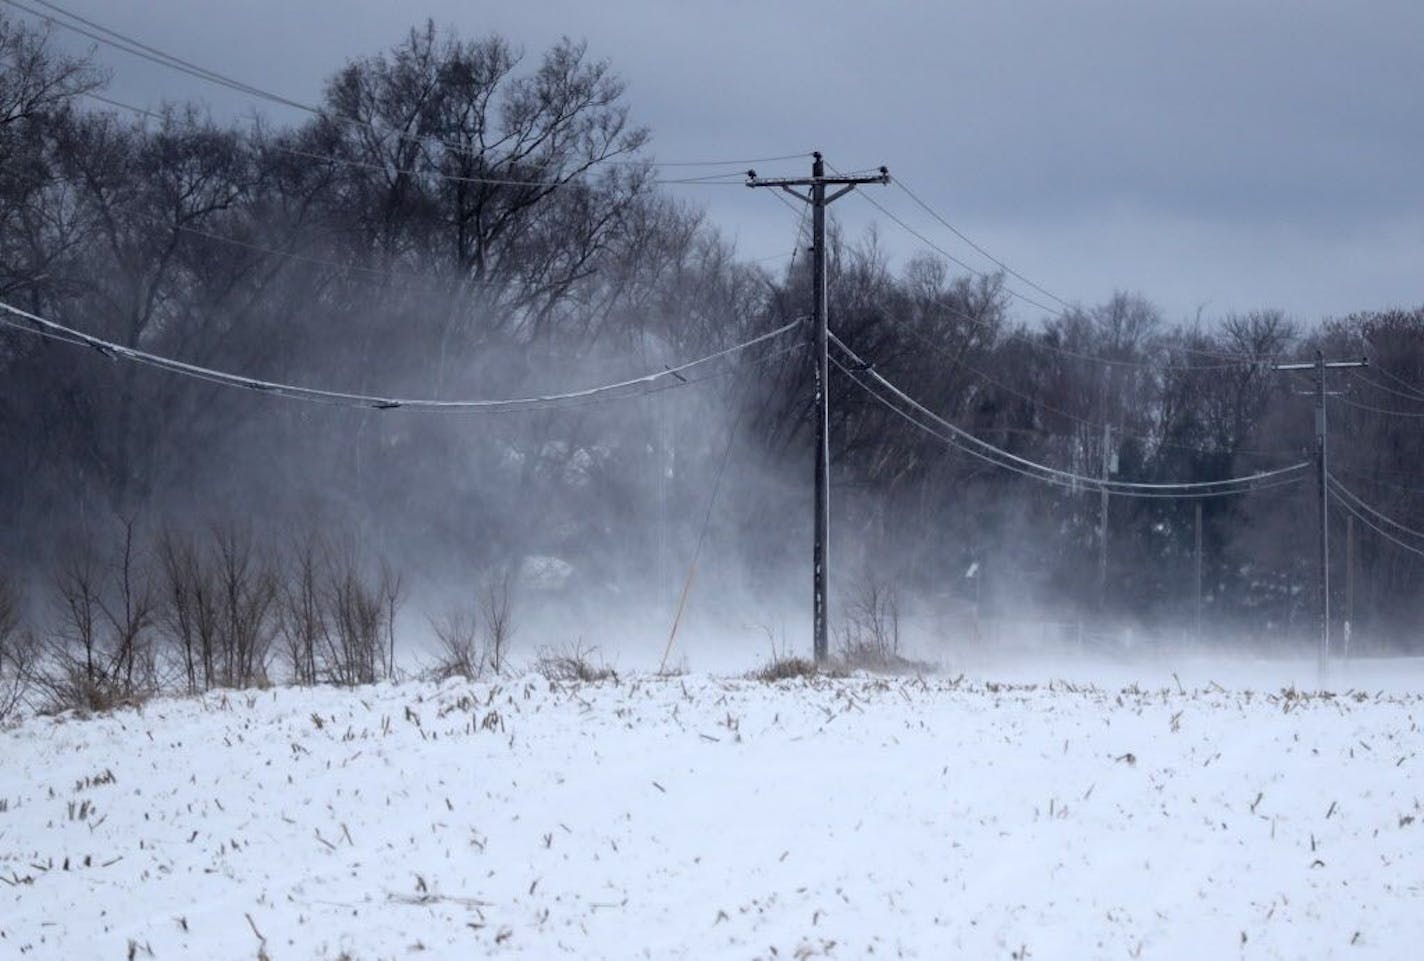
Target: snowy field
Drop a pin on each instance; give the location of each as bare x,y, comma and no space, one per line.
702,817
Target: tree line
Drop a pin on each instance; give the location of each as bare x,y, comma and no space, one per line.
460,219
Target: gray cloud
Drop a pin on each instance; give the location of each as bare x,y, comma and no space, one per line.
1245,154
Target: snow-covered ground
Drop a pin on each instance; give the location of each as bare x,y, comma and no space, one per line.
703,817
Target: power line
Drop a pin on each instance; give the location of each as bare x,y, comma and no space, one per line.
1004,458
1233,360
708,180
632,387
953,259
960,362
1081,481
1364,519
119,41
1385,388
372,273
1238,362
719,179
962,236
1340,488
1010,270
1370,476
1416,392
1037,344
1379,410
136,48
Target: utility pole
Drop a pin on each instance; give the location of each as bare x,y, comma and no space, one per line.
1322,493
1199,570
819,201
1349,582
1103,523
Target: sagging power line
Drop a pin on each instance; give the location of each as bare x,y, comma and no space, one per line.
958,361
1346,496
116,40
1229,361
905,189
34,324
999,457
570,180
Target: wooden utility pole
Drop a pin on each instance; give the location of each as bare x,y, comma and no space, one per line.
1103,523
1349,582
819,201
1322,491
1198,506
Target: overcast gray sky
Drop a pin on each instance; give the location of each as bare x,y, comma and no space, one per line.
1225,155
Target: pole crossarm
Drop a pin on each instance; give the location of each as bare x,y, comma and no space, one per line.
1328,365
817,197
847,184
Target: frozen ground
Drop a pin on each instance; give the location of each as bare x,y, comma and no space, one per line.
701,817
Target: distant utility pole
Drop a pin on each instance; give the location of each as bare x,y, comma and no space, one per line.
1108,468
819,200
1349,582
1198,506
1322,491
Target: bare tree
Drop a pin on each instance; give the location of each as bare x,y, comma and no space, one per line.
189,609
458,636
497,607
16,650
870,636
392,596
248,594
354,602
303,618
37,85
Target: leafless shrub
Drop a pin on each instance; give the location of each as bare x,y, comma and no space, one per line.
458,637
100,654
458,633
872,619
783,665
870,637
785,668
17,651
9,611
218,607
335,616
574,662
18,660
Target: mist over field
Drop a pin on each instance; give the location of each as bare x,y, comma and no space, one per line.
410,453
454,218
